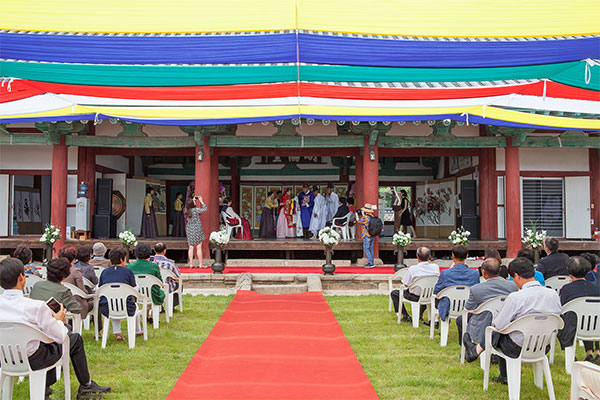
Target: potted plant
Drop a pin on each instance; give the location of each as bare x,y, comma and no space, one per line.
459,236
128,239
400,240
534,238
49,237
329,237
219,238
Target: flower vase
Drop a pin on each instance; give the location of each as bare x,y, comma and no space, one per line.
536,255
218,266
328,267
48,251
400,261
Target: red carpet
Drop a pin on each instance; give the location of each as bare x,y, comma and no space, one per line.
275,347
292,270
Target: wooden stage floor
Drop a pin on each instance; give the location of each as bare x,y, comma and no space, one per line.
292,245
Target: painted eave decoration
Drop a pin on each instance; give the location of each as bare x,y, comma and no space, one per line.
512,63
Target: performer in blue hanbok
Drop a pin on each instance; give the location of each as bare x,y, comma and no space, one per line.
306,201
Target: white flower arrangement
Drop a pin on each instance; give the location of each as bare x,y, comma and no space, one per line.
459,236
128,238
219,238
401,239
51,235
329,237
534,237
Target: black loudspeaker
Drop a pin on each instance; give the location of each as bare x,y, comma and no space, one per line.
471,224
104,188
468,197
105,226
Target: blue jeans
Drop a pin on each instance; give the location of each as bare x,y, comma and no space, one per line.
368,248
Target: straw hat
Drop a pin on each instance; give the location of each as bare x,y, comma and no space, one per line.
369,208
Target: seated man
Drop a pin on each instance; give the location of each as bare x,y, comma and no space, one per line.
492,287
99,250
459,274
530,255
160,259
577,268
594,261
554,263
17,308
143,266
341,212
532,298
58,269
423,268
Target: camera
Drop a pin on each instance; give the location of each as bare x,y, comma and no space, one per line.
196,197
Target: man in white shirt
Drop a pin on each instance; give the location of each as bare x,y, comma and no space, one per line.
532,298
423,268
19,309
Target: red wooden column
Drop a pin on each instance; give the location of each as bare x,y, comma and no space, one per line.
370,183
358,180
213,200
513,199
235,185
595,185
58,214
202,183
488,194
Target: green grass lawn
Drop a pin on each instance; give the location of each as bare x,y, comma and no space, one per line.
401,362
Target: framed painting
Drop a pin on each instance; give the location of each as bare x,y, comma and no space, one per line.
246,203
260,195
341,189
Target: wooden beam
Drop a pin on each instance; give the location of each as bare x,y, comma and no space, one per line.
556,141
116,151
277,142
24,139
427,152
437,141
132,141
287,152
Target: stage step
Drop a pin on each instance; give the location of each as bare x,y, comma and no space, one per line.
280,289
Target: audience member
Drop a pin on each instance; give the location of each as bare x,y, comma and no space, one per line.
99,250
594,273
530,255
160,259
554,263
24,253
577,268
341,212
459,274
118,273
143,265
532,298
17,308
57,270
493,286
493,253
87,270
420,270
76,278
363,217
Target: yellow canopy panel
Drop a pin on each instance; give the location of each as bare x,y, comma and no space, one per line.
443,18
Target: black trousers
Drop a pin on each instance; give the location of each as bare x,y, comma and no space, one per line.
505,344
49,353
395,295
305,231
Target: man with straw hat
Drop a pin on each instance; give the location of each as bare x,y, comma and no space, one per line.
363,217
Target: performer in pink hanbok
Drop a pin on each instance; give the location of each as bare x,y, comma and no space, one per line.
286,227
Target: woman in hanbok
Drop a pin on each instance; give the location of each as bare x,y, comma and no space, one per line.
178,219
267,220
233,219
286,227
149,228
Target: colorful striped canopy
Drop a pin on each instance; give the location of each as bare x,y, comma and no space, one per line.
513,63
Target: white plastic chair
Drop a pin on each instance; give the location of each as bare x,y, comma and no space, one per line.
170,296
229,226
98,271
492,306
426,283
585,383
78,292
88,283
15,362
30,280
145,283
557,282
588,326
538,330
397,276
343,226
458,296
116,295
